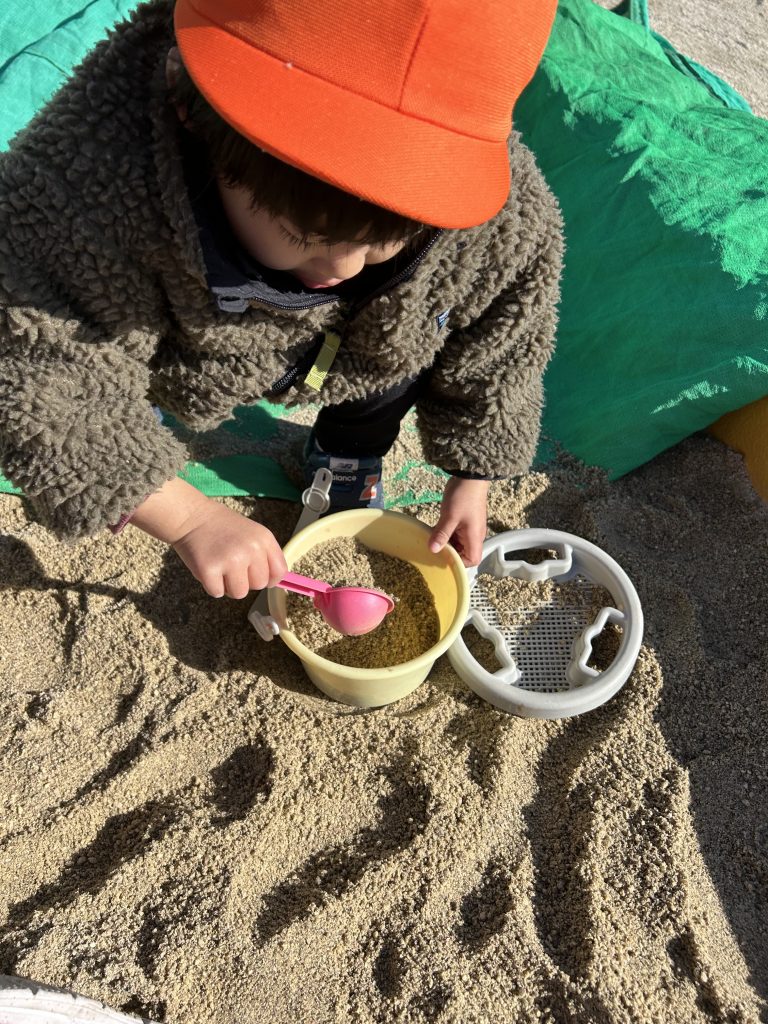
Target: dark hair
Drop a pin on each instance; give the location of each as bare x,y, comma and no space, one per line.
312,205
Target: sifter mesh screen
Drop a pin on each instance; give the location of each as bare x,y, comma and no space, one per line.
542,644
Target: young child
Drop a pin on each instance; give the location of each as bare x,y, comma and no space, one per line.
240,199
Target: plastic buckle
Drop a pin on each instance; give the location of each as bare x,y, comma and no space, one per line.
261,620
317,496
316,500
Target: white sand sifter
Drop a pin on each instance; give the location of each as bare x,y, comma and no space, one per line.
544,663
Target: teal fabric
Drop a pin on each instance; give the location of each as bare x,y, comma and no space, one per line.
662,185
40,43
660,170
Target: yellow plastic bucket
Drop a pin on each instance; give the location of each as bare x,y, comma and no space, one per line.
402,537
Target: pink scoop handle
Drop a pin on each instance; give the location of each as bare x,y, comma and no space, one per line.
305,585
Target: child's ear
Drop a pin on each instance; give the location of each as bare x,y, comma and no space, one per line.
172,70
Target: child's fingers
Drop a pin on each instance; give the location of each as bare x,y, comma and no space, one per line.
466,538
469,558
472,548
236,583
277,565
262,575
259,575
441,534
213,583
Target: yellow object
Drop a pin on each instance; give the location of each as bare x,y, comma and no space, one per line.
402,537
319,369
746,430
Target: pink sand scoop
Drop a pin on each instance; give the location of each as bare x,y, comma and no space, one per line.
349,610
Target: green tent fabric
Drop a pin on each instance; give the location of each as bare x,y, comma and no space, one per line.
637,11
658,165
660,170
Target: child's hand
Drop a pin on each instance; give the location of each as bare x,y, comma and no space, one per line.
462,519
229,553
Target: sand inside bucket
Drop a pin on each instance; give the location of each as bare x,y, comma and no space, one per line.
408,631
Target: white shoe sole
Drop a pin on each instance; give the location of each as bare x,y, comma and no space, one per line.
25,1002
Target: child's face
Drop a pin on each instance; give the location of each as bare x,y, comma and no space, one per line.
277,244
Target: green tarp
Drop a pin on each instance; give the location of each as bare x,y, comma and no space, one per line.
663,190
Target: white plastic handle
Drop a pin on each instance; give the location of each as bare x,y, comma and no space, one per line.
508,672
315,500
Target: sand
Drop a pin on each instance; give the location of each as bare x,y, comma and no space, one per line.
409,629
190,831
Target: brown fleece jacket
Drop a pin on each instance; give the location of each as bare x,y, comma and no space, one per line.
105,309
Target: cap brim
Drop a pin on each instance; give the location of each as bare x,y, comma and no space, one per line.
418,169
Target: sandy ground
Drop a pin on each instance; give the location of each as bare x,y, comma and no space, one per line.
190,831
727,36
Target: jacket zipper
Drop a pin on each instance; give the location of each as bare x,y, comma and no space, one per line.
393,282
287,379
357,306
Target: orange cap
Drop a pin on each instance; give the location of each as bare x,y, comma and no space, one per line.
404,103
